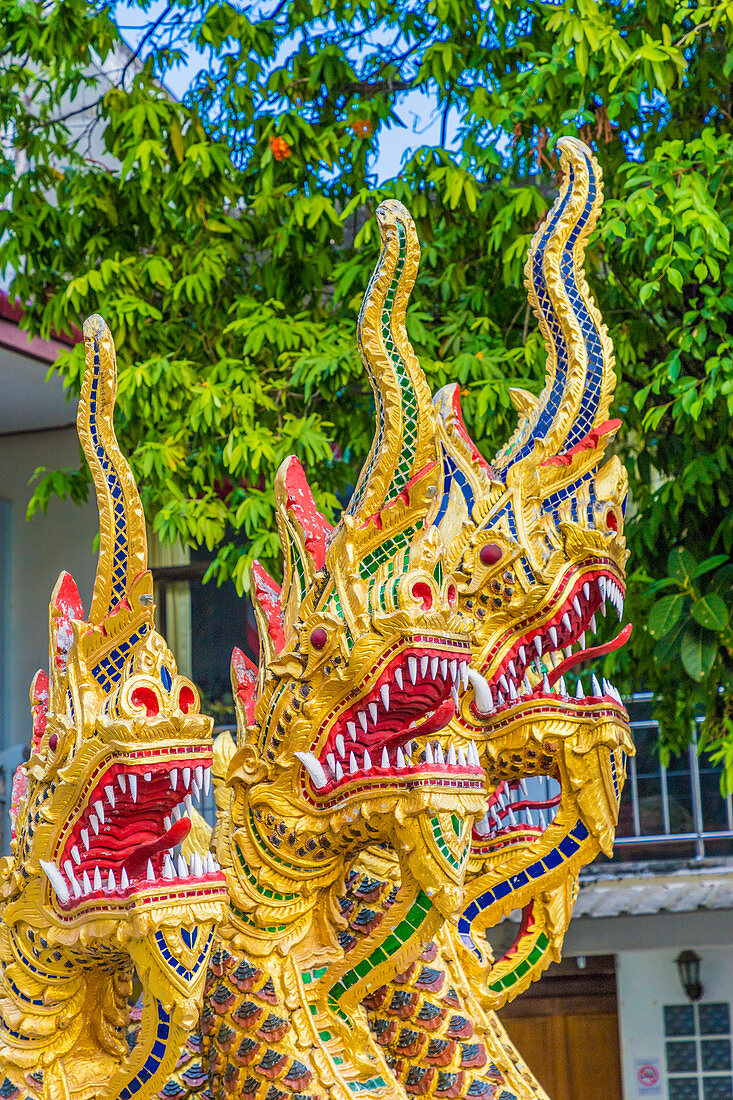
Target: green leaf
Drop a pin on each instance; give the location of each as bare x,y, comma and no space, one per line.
664,614
681,565
711,612
711,563
698,649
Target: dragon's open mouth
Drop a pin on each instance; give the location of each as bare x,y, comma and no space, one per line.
519,811
135,814
534,668
415,694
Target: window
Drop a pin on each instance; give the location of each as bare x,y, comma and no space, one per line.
698,1051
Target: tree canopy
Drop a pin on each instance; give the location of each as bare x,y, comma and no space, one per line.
227,239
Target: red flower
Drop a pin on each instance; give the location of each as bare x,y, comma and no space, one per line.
362,127
280,148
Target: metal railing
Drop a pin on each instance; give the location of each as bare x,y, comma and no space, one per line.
670,812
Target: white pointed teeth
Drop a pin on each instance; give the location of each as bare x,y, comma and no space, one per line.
132,780
596,687
340,746
351,729
424,666
579,693
398,678
169,870
86,884
367,761
412,668
362,720
373,712
174,778
111,882
385,757
434,662
384,695
547,690
538,644
483,699
454,696
99,807
76,855
400,758
182,866
110,793
56,879
124,880
199,774
121,782
94,824
553,636
150,873
97,879
186,773
586,591
312,766
452,760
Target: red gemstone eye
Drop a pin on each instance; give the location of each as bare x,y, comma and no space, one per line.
53,742
490,553
319,637
145,697
186,699
452,595
424,593
611,521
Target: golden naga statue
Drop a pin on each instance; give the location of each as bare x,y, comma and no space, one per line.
90,895
408,767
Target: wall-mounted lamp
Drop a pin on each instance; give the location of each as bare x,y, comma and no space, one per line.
688,965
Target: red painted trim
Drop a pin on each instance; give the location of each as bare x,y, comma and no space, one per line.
13,337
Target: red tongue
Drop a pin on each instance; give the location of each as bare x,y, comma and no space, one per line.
439,720
590,654
177,833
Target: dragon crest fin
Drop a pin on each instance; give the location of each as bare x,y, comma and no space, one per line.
123,551
304,535
265,593
579,379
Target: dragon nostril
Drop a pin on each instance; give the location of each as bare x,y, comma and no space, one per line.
490,553
145,697
423,592
185,699
611,521
318,637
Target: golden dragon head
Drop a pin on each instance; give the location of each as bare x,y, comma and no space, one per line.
119,742
361,651
537,550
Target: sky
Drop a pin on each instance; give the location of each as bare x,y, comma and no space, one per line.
417,111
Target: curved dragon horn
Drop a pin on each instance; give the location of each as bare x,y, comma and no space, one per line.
579,378
123,553
404,444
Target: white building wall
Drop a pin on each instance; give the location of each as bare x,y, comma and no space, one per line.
647,981
62,538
